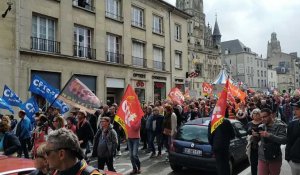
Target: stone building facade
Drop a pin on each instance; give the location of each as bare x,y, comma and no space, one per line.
286,65
203,45
107,44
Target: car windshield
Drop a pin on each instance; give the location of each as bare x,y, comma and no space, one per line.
193,133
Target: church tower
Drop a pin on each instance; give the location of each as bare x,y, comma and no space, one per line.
216,35
274,45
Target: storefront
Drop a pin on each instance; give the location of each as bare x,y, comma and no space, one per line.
139,87
159,91
114,90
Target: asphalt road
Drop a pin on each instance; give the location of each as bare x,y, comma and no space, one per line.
157,165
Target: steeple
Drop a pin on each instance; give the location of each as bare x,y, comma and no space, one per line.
216,28
216,34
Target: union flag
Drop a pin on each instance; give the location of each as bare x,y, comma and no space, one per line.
220,109
130,110
207,89
176,96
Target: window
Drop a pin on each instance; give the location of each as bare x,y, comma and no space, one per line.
113,9
138,54
158,58
82,42
265,83
178,60
271,74
265,72
258,73
257,63
43,34
261,64
258,83
87,4
89,81
193,133
137,17
262,74
252,71
262,83
198,69
157,24
113,47
177,32
265,64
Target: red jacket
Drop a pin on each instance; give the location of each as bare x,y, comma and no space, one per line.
134,131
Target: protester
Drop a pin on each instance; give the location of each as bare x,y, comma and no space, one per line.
242,113
156,132
287,111
272,135
105,144
292,150
133,145
144,134
71,124
58,122
9,143
253,140
40,162
220,141
63,153
40,132
23,133
84,130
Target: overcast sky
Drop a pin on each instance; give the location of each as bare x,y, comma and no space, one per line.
253,21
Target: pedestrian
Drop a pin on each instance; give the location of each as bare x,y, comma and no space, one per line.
105,143
253,140
220,141
144,137
58,122
23,133
287,111
157,122
9,143
133,145
272,135
292,150
63,154
40,132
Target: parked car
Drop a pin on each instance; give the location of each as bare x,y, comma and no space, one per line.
21,166
190,147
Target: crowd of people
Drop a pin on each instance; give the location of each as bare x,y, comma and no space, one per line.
58,142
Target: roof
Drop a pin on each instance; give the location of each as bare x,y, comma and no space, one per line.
234,46
216,29
175,9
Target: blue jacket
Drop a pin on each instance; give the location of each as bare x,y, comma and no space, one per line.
24,129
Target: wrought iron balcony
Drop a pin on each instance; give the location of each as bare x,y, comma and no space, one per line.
84,4
158,65
141,62
85,52
114,57
45,45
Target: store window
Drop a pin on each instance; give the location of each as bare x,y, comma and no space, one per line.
159,91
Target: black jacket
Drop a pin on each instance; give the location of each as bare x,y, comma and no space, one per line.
11,144
85,132
292,150
220,138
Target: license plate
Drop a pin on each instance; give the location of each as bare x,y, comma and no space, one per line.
192,151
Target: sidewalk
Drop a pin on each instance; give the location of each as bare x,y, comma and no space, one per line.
285,168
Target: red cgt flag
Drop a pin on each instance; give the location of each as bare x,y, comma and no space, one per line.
219,111
176,96
130,110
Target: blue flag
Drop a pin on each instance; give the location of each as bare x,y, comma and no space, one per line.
4,105
11,97
30,107
42,88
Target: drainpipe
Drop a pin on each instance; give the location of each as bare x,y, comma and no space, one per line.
170,40
16,66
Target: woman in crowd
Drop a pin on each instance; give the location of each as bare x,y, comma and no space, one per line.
40,161
40,132
58,122
71,124
253,139
9,143
242,114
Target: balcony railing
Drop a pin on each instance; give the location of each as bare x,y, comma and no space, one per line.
114,57
85,52
84,4
138,24
113,16
141,62
159,65
45,45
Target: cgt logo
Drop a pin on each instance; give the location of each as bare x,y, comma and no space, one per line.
30,107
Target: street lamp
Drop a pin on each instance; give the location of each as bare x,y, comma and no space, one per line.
9,4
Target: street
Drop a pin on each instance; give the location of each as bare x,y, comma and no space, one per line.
157,166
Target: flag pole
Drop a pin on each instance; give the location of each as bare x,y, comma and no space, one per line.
61,90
